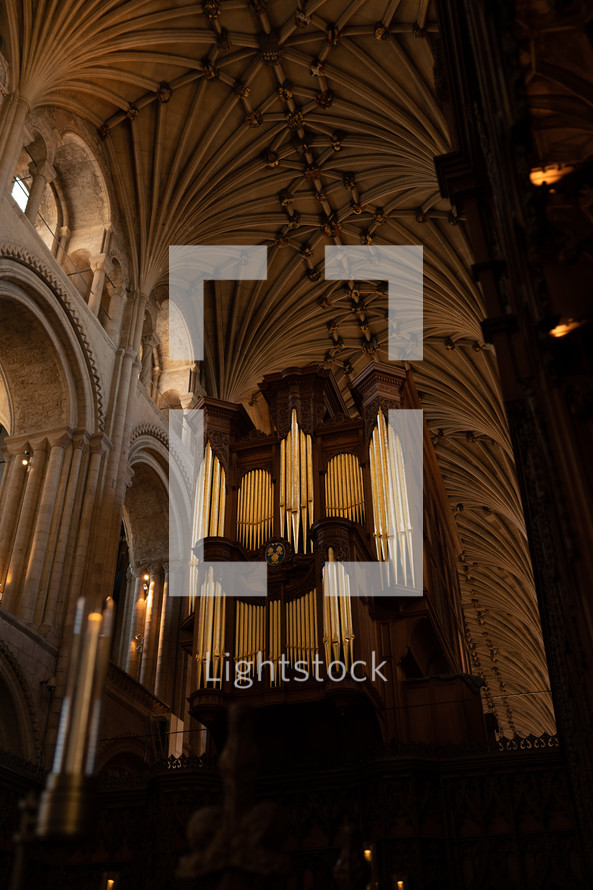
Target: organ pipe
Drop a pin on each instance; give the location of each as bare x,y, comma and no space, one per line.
344,493
338,631
209,653
393,526
296,485
301,628
255,509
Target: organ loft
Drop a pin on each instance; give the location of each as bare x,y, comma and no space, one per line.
318,490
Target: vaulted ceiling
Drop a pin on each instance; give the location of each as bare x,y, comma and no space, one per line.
298,125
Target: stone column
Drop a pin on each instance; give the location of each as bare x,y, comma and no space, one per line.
122,643
167,650
98,446
42,174
148,343
63,235
136,638
80,443
7,460
100,266
12,139
12,488
45,511
151,629
25,522
116,311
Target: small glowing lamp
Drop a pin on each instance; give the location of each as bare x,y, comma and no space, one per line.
549,174
561,330
368,855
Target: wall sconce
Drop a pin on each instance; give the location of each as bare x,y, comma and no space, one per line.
139,642
400,882
27,459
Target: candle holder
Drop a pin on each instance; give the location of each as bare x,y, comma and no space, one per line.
65,807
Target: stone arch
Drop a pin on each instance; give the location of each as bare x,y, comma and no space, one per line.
27,286
84,208
38,342
121,757
19,727
150,445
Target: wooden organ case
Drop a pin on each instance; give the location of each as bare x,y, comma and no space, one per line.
305,497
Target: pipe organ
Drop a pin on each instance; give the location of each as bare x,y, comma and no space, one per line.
255,511
296,485
392,522
323,485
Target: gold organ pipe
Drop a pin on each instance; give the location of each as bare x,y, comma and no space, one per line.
347,485
249,517
288,485
376,483
310,479
307,654
303,492
398,524
407,520
216,648
327,629
336,486
207,488
344,600
241,624
282,484
249,508
259,517
215,499
300,630
310,624
199,654
295,480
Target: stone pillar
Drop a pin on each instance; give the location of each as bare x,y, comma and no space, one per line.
116,311
167,648
151,629
100,266
7,459
148,343
98,446
42,174
136,638
122,643
25,523
63,235
45,510
12,139
80,444
12,488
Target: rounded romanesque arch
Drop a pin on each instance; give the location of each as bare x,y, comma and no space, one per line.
40,325
19,727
